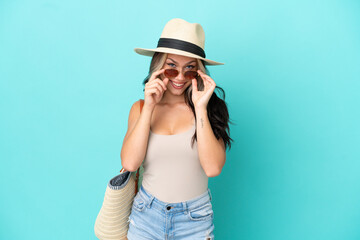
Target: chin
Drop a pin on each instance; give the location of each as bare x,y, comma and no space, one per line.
179,92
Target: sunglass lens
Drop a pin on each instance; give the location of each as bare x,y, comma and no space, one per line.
170,73
190,75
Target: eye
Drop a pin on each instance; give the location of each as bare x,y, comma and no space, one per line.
191,66
170,64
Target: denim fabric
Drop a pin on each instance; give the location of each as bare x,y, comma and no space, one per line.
153,219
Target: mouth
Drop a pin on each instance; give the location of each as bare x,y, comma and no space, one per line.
177,85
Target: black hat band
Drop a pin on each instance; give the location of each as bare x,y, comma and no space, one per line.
181,45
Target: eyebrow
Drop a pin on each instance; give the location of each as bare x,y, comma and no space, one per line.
177,62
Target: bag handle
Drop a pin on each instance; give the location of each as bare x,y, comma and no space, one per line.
138,170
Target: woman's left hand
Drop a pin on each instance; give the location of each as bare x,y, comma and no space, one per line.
201,98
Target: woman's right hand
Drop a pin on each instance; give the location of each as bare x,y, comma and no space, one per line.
155,88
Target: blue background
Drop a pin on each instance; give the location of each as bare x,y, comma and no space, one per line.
69,75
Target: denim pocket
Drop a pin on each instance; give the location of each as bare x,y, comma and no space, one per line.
203,212
138,203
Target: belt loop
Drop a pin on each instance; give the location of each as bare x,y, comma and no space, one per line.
209,193
185,207
150,201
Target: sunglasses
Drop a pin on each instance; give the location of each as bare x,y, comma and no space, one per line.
171,73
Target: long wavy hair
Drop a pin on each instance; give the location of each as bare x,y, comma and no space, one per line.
216,109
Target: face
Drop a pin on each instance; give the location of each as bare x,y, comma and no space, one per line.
182,64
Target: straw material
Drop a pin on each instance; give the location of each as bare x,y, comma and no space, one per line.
112,220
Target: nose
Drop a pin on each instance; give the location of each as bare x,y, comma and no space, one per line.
181,76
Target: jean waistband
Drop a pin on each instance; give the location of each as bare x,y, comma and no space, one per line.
175,207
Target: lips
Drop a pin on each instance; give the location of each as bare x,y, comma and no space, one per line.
177,82
177,86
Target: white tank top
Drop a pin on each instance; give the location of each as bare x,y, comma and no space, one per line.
172,169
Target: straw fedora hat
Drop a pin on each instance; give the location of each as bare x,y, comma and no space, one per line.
182,38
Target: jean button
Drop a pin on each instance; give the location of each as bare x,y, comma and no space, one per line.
168,207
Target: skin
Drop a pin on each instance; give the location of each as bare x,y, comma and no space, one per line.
165,112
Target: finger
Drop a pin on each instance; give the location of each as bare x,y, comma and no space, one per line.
203,75
153,85
208,94
161,82
155,74
212,83
194,85
157,86
211,80
160,88
153,91
200,72
206,83
166,81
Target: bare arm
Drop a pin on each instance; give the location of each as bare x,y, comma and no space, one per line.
135,141
211,151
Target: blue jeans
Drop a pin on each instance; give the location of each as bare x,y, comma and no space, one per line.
153,219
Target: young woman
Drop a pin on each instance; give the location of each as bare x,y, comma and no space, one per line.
180,137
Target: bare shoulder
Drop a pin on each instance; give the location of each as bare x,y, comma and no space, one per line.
135,108
134,115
